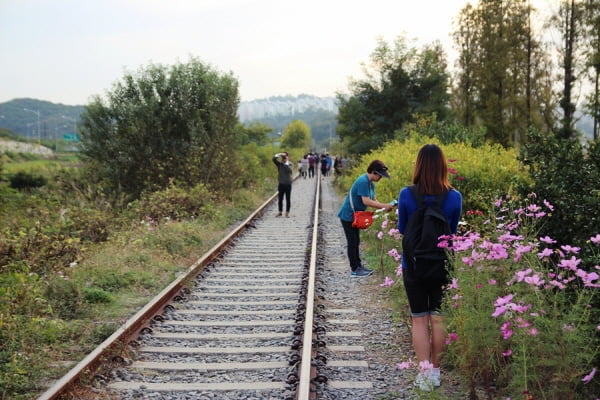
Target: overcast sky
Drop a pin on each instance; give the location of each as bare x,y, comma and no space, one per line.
66,51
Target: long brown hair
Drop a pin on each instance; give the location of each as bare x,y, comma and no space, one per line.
431,171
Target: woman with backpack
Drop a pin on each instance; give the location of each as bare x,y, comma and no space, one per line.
431,205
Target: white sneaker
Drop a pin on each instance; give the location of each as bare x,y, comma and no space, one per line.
424,382
435,377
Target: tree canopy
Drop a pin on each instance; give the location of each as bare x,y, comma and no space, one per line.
400,83
296,136
162,125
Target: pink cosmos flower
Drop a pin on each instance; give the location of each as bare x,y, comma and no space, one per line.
587,278
570,264
548,205
557,284
520,308
394,254
570,249
520,250
492,282
590,376
497,252
500,301
508,237
596,239
399,270
544,253
534,280
547,239
387,282
498,202
520,275
404,365
452,171
499,311
394,232
507,353
451,338
519,211
521,323
506,331
425,365
380,235
453,284
533,332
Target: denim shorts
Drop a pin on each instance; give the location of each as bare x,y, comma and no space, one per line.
424,296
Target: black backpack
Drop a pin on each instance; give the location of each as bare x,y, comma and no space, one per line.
424,259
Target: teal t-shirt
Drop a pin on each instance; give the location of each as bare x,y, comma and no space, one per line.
361,187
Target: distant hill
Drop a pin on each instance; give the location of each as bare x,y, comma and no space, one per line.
284,105
56,120
38,119
20,116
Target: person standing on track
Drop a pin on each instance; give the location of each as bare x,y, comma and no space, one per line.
362,195
430,177
284,177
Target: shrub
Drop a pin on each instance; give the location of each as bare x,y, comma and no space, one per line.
479,173
24,180
445,131
97,295
173,203
40,250
64,297
86,224
566,174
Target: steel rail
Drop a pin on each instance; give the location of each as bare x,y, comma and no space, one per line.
142,318
307,371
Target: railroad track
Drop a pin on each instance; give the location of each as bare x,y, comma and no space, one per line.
246,328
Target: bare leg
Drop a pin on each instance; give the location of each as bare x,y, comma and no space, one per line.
420,337
438,339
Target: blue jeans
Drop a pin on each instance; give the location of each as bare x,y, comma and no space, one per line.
353,241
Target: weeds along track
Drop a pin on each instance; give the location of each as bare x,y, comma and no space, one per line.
241,325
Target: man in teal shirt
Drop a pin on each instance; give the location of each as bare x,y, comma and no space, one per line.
361,196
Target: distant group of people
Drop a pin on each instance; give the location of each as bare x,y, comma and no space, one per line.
308,165
430,186
310,162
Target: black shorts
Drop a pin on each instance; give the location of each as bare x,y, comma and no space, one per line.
424,296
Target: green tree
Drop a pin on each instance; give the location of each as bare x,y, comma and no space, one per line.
569,21
253,132
592,37
502,78
163,124
296,136
399,82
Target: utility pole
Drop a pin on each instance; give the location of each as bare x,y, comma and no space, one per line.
36,112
